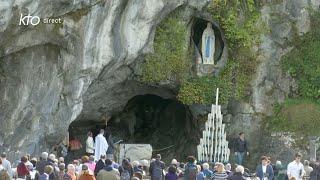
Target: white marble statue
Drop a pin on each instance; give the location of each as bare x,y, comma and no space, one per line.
208,45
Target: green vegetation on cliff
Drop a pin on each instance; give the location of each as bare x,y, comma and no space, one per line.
169,62
240,23
296,115
301,115
303,62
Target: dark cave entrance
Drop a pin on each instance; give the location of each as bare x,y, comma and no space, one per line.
166,124
198,27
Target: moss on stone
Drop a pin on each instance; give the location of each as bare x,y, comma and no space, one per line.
300,116
303,62
242,34
170,61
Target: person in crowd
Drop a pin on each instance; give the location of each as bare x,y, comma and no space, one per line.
101,145
206,171
221,172
48,169
126,170
42,163
281,171
108,172
28,163
6,164
61,173
77,165
86,174
137,167
191,169
34,162
22,170
33,174
52,162
4,175
315,174
181,171
71,173
172,173
137,175
240,149
100,164
144,166
200,175
90,144
238,175
308,169
264,170
295,168
228,169
109,139
91,164
61,160
156,168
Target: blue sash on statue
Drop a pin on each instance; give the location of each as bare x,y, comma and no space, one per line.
208,47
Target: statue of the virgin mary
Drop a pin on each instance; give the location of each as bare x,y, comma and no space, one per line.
208,45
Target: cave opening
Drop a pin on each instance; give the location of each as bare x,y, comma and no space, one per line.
198,27
166,124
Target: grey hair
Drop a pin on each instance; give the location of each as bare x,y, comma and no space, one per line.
44,155
240,169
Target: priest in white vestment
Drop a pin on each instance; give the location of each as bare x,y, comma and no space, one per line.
101,145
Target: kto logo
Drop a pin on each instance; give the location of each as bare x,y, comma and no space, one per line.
26,20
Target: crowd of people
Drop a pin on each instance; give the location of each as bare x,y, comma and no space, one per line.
98,164
48,167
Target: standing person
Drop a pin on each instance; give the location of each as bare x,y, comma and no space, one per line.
47,171
281,171
314,175
22,169
206,171
240,148
6,164
108,172
191,169
172,173
110,143
90,144
42,163
156,169
265,171
238,175
60,175
295,168
4,175
308,169
125,170
101,145
100,164
85,174
200,175
71,173
91,164
221,172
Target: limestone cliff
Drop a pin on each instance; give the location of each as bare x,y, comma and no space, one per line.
83,68
49,71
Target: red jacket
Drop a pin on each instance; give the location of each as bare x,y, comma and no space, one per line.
22,170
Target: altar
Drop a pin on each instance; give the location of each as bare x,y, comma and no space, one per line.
134,152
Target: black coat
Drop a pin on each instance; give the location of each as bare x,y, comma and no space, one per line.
100,165
236,176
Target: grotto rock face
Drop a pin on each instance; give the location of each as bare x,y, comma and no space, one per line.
271,85
48,72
